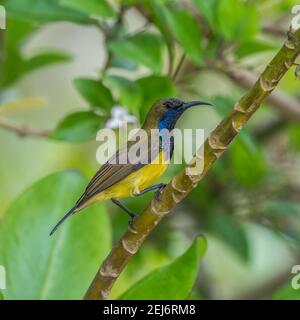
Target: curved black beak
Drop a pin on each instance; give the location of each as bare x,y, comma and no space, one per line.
190,104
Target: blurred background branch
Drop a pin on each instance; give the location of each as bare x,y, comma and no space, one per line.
22,130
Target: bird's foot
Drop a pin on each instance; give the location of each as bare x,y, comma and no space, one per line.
131,221
291,36
297,71
157,194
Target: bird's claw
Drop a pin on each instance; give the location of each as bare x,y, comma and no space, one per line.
131,221
297,71
157,194
291,36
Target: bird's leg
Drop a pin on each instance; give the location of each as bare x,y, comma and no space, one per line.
130,213
291,36
158,192
297,70
155,187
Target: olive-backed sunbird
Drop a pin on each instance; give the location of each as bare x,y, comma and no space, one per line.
114,180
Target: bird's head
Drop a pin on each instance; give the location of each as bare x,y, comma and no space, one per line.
165,112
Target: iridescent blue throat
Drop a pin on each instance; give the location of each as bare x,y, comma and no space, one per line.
169,119
165,125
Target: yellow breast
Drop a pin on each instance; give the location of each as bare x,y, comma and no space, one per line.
135,182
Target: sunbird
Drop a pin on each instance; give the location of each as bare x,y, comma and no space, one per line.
115,181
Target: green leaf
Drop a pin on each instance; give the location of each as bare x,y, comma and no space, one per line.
45,59
78,127
280,207
172,282
93,8
240,23
154,88
223,105
247,161
120,63
229,18
1,296
94,92
287,292
253,47
16,34
62,266
143,48
186,32
128,92
156,8
44,11
294,136
249,24
18,31
225,228
208,9
15,65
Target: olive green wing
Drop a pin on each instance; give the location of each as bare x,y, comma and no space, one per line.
113,171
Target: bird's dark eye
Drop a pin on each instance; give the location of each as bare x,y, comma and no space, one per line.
167,105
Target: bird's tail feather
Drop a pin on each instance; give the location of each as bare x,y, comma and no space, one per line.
64,218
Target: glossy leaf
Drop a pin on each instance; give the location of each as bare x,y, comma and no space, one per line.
224,227
287,292
59,267
208,9
223,105
95,93
247,161
15,64
237,21
250,23
143,48
174,281
253,47
12,68
186,32
93,8
44,11
228,19
294,136
120,63
78,127
17,32
158,17
154,88
45,59
128,92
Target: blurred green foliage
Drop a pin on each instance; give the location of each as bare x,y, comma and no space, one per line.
170,48
40,267
174,281
77,127
143,48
